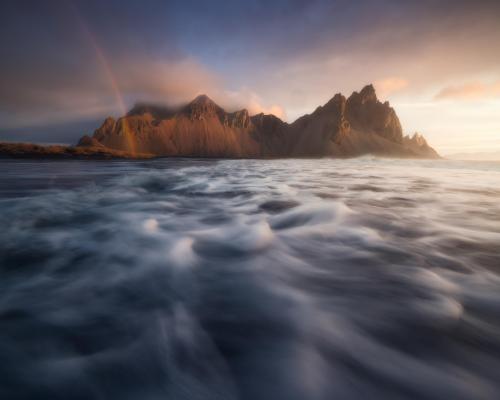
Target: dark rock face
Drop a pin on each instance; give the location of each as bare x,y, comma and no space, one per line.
203,107
366,113
87,141
342,127
272,134
317,134
419,145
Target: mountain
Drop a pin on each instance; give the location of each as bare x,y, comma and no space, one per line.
343,127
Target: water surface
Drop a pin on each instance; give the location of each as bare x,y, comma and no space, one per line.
249,279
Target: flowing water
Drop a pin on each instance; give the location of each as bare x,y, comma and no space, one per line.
246,279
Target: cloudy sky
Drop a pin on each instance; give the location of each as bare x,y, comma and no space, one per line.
64,65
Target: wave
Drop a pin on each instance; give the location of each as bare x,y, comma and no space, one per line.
241,279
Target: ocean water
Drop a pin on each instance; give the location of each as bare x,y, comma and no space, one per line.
247,279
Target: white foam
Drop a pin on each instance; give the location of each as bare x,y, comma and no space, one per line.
181,254
317,213
439,309
255,237
432,280
150,225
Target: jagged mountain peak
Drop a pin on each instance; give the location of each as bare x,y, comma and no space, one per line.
368,90
358,125
201,106
417,139
366,95
202,99
336,102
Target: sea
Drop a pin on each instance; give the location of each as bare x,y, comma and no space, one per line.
284,279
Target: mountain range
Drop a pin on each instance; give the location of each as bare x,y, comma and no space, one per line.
343,127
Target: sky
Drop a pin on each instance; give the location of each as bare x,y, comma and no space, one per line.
67,64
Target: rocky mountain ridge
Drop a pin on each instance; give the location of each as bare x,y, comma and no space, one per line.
343,127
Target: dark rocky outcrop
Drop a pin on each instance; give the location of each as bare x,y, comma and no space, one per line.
87,141
351,127
56,152
419,145
366,114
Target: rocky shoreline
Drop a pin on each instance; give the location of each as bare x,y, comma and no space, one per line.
61,152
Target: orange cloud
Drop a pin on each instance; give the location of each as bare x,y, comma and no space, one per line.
56,97
256,108
245,98
390,85
172,82
469,91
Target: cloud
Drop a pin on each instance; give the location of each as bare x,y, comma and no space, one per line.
169,82
110,88
246,98
82,60
254,54
179,82
390,85
96,90
470,91
255,107
424,43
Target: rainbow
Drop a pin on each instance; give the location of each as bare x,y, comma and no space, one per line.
103,62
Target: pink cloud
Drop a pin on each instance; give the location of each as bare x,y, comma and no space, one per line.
246,98
469,91
390,85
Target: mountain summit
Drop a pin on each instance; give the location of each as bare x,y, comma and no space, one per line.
203,106
343,127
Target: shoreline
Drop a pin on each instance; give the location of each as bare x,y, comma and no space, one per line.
32,151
